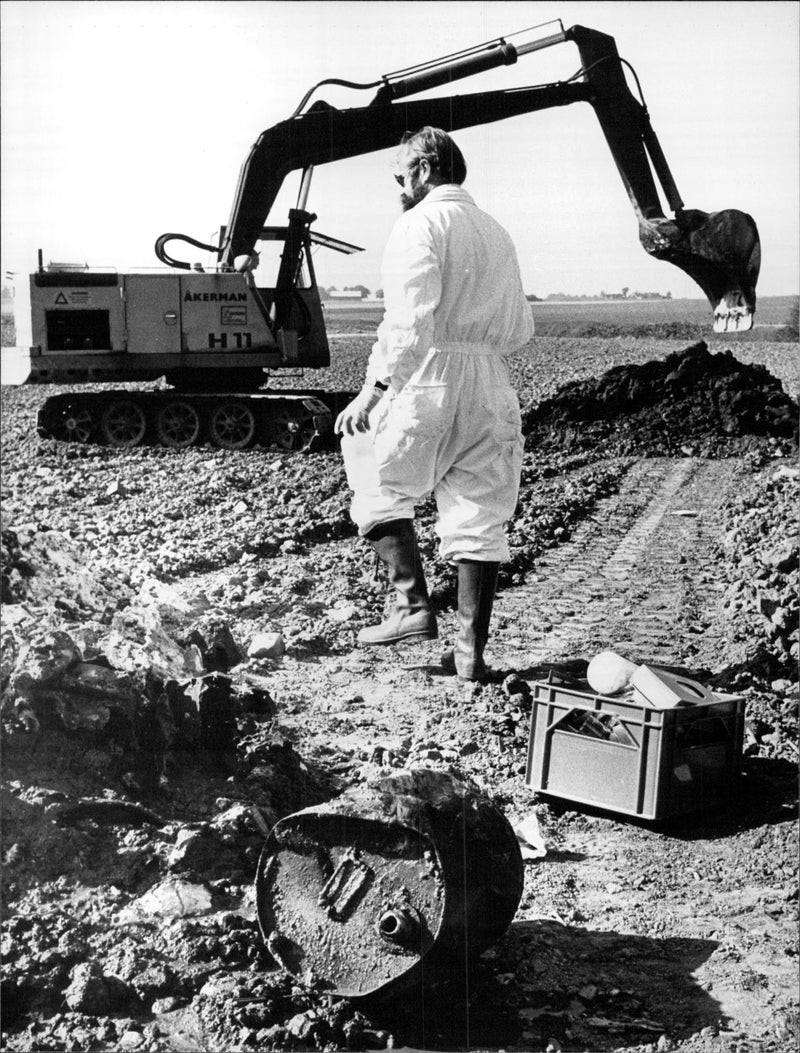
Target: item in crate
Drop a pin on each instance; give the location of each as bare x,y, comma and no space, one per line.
659,689
609,673
598,726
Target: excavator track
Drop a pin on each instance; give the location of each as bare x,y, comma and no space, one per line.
287,420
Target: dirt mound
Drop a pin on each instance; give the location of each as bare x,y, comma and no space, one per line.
693,402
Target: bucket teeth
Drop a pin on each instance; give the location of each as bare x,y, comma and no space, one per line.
732,319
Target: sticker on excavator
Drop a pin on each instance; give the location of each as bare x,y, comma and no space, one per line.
233,316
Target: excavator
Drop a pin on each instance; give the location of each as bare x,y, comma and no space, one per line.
212,337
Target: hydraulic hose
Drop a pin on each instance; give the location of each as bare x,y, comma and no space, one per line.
165,258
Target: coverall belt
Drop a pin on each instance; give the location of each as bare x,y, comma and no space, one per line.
466,348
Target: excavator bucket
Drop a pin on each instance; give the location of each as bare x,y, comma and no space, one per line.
721,251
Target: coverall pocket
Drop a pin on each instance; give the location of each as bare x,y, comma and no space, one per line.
507,419
407,438
508,439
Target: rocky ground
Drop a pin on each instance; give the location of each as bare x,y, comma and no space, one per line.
179,671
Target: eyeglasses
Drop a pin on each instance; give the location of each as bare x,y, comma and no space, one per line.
414,163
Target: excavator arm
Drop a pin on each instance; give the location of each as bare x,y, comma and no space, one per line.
720,251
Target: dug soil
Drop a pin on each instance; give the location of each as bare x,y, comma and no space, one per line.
180,671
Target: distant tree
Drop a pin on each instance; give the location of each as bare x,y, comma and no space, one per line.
379,294
791,326
625,289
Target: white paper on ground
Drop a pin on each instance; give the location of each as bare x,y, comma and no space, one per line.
530,838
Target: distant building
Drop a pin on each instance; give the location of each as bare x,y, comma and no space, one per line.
345,296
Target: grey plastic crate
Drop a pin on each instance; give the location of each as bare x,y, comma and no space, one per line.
661,762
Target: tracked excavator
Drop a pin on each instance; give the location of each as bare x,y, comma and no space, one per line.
211,337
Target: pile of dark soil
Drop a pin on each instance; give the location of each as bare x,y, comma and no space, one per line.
693,402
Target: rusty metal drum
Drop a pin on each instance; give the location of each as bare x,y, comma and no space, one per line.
362,895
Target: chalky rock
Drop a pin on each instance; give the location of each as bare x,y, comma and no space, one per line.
266,645
171,898
88,990
44,662
388,885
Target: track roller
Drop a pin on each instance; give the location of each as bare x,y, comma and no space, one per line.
232,424
294,429
73,423
177,424
123,423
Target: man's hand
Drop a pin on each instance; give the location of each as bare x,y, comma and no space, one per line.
355,416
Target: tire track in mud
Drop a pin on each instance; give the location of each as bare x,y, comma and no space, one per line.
638,575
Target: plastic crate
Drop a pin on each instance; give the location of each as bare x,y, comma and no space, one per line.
661,763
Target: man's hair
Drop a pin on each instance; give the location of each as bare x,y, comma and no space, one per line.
440,151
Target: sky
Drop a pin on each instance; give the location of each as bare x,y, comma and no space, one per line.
122,120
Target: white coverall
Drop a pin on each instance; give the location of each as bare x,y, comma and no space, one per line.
450,422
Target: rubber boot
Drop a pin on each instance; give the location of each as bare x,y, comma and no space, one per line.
477,583
395,544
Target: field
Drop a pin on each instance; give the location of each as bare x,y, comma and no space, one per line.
681,319
776,319
180,670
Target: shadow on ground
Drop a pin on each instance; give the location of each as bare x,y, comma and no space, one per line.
588,988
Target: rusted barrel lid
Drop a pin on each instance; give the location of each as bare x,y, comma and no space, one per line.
354,894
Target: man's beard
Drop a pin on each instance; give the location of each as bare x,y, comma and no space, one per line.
409,199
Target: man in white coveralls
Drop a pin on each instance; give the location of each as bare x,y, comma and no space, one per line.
437,413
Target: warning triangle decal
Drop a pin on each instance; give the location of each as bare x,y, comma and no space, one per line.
61,298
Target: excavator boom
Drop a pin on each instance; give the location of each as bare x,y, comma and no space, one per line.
720,250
